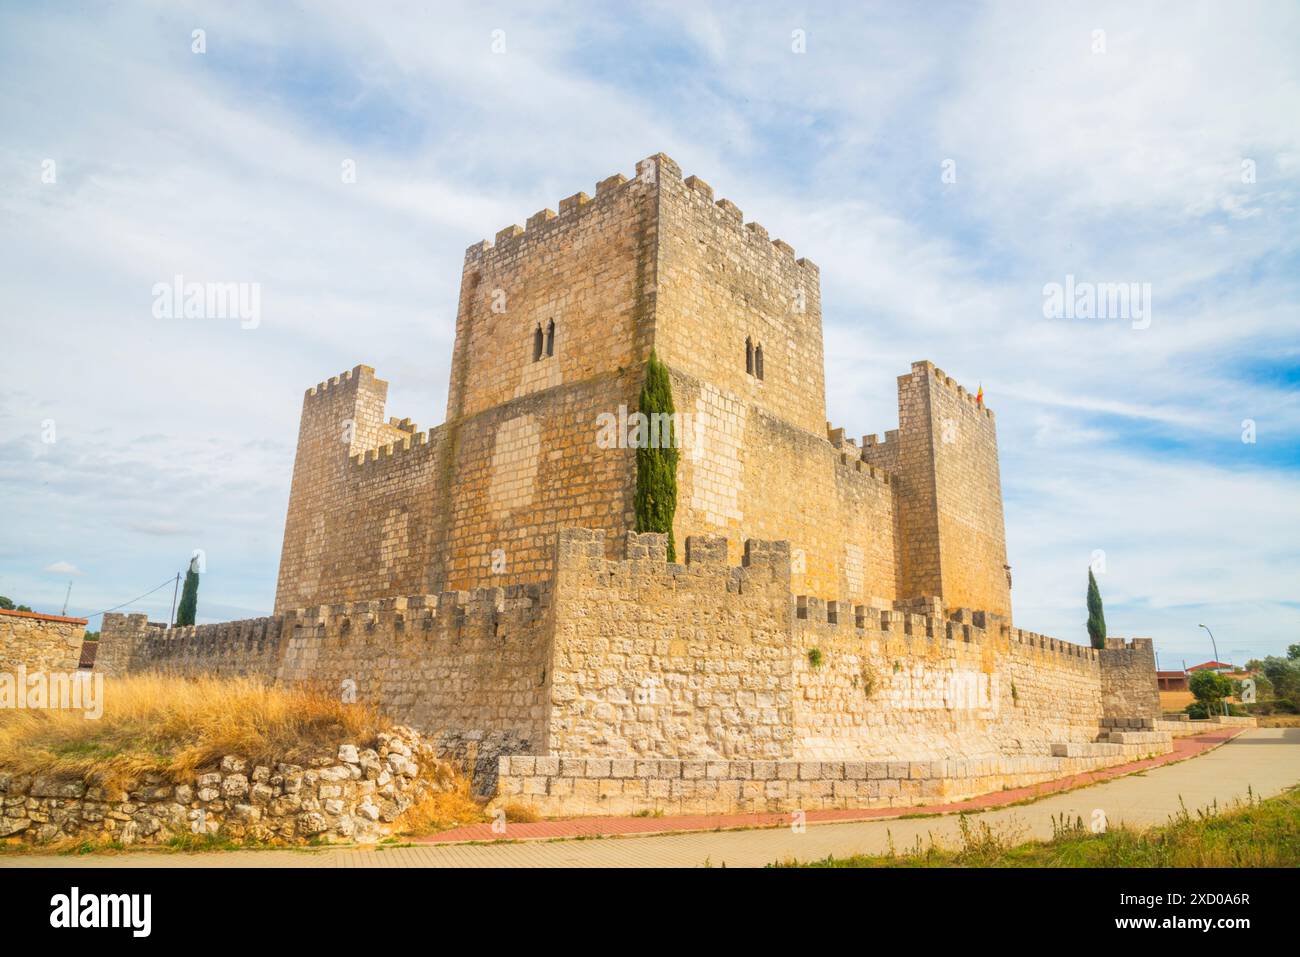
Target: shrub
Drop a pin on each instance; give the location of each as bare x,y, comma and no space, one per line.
1210,688
656,463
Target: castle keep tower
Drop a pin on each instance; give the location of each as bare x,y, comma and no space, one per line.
554,325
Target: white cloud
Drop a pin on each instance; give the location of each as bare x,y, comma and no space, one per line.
63,568
174,435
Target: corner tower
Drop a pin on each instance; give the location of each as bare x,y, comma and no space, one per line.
948,493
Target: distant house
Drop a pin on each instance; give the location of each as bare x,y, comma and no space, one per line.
1171,680
1218,666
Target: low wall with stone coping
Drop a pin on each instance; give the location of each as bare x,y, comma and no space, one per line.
350,794
603,786
39,642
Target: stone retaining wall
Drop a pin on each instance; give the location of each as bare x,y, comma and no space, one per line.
352,794
603,786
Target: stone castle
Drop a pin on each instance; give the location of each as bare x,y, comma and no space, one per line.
838,634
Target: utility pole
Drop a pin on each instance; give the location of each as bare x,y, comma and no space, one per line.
1215,646
65,598
175,589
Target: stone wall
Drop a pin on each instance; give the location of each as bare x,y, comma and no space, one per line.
600,786
468,668
705,660
346,794
636,658
1129,686
40,642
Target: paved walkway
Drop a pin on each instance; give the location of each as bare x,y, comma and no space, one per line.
1263,761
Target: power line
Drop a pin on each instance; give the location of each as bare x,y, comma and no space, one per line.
133,600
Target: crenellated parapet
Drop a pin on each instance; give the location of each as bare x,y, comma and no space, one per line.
752,233
131,643
853,459
409,448
485,609
546,225
930,370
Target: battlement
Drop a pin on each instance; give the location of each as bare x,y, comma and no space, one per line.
934,372
874,441
855,459
399,451
918,618
229,648
542,225
1131,644
352,379
933,623
752,231
581,547
521,603
649,172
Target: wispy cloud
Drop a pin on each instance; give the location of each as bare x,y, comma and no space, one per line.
126,441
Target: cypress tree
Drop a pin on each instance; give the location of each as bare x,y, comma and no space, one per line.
1096,618
189,597
656,461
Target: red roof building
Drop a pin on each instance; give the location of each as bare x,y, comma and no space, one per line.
1219,666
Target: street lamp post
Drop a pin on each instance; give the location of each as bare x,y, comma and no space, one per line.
1215,646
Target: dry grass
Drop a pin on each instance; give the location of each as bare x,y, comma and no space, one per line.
1279,720
520,813
173,726
448,807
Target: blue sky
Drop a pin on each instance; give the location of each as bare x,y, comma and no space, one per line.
1121,164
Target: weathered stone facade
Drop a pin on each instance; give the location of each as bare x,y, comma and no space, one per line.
554,326
840,607
40,642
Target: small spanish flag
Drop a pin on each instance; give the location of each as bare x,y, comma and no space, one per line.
979,396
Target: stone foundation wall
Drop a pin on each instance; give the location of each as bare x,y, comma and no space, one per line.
39,642
600,786
350,794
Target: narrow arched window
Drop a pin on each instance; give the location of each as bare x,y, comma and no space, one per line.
550,338
749,355
537,343
758,361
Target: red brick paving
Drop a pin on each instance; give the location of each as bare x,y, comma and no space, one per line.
1184,748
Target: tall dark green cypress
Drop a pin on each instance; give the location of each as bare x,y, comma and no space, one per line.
1096,618
189,597
656,462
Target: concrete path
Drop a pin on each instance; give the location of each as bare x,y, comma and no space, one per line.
1263,761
